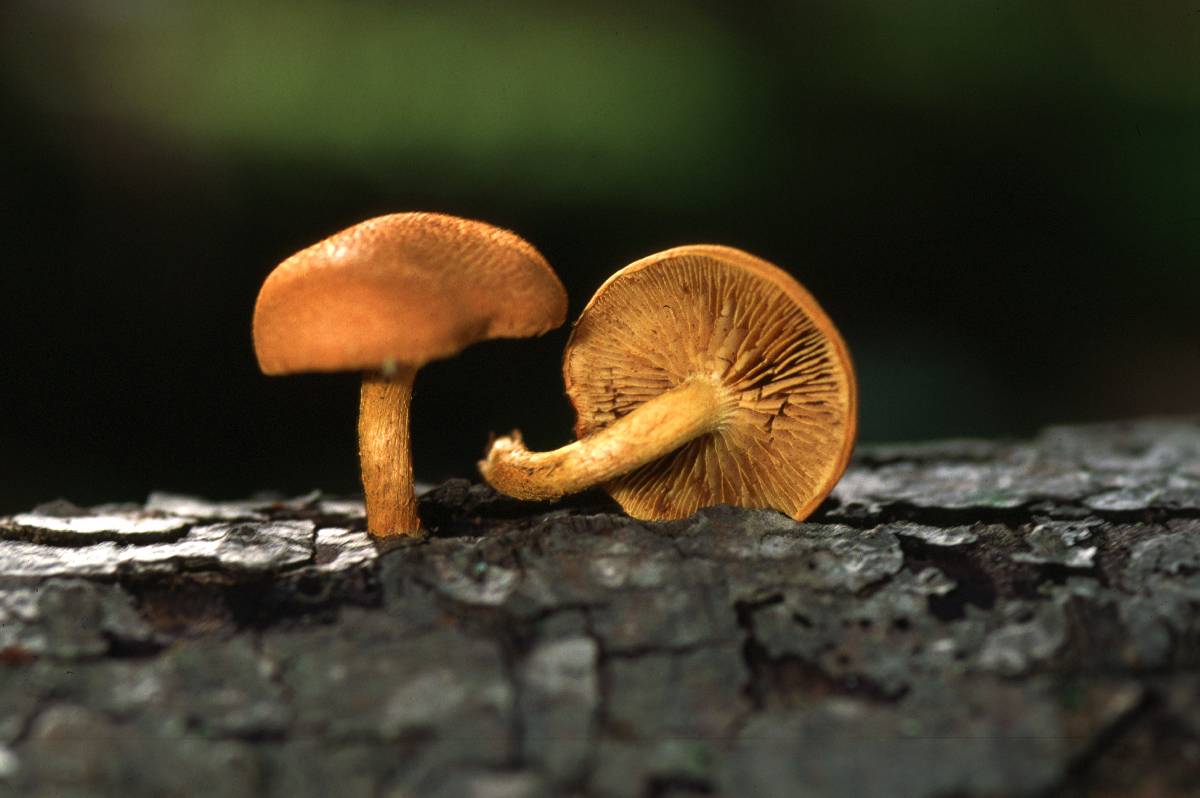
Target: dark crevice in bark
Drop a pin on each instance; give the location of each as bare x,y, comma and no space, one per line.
788,680
973,584
1079,769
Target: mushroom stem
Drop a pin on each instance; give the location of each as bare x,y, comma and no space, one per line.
650,431
384,453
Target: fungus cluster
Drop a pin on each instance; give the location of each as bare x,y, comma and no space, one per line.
385,297
700,375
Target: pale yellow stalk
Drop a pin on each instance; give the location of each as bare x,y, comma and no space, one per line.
652,430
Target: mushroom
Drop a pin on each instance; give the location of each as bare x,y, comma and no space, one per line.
385,297
700,375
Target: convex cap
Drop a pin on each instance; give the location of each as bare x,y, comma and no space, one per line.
405,288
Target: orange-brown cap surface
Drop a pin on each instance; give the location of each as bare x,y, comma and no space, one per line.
718,313
406,288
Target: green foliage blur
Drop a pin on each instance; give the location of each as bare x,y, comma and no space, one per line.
998,203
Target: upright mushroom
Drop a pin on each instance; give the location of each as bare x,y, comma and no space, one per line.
385,297
700,375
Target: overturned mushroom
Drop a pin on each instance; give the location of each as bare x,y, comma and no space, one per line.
386,297
700,375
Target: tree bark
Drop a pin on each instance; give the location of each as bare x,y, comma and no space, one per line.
968,618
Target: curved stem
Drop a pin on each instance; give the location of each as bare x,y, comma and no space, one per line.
652,430
384,453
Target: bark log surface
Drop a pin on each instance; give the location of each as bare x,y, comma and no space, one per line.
966,618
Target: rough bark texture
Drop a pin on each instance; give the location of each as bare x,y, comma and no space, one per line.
961,619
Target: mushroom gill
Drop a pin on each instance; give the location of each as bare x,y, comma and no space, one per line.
735,357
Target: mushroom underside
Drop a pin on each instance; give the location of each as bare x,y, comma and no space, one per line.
787,417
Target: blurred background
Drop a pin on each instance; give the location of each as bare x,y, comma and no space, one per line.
997,203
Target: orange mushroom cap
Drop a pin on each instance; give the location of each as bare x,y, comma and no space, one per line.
405,288
718,314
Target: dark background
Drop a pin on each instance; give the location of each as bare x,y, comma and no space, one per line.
998,204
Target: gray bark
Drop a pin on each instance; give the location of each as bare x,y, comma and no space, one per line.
965,618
